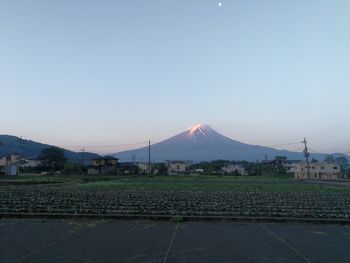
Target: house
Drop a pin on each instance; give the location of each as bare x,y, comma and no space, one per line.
11,169
178,167
143,168
103,166
30,163
127,168
159,168
199,170
317,171
10,159
289,165
3,161
156,168
9,164
105,161
234,169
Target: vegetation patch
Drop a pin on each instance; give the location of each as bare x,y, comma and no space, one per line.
211,183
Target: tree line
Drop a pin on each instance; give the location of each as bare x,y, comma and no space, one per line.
53,159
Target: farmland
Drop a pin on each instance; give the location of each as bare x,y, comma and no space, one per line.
175,196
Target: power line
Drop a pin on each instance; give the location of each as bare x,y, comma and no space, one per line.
285,144
314,151
243,147
102,146
345,145
319,152
169,145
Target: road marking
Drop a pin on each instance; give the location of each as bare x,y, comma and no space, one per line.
171,242
46,246
285,243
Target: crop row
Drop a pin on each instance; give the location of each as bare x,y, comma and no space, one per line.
55,199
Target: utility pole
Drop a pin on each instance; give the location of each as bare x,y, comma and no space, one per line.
306,154
149,157
20,141
83,160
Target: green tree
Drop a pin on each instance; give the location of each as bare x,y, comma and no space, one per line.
52,158
73,168
329,159
281,158
343,162
161,167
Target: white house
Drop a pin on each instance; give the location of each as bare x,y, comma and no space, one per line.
10,164
317,171
11,169
178,167
31,163
232,168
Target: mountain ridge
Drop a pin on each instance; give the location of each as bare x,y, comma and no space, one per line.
202,143
31,149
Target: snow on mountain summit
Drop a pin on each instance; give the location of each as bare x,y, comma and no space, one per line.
200,133
202,128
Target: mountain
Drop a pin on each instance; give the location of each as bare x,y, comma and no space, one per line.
202,143
30,149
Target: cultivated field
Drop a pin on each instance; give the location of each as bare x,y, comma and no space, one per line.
174,196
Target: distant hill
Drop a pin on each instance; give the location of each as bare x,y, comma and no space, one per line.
31,149
202,143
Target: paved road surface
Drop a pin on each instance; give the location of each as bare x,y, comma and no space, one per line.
25,240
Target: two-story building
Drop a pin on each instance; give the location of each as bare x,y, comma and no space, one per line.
316,171
9,164
289,165
106,165
178,167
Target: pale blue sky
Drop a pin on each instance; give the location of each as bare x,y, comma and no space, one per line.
114,72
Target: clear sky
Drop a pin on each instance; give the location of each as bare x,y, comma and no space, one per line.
117,72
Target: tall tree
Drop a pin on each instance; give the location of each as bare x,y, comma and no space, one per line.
281,158
52,158
343,162
329,159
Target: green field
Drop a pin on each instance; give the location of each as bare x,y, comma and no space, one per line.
210,183
189,183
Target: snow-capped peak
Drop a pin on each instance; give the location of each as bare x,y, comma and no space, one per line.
202,128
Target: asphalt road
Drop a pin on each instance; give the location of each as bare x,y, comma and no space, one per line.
32,240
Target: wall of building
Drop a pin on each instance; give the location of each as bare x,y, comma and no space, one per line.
317,171
234,168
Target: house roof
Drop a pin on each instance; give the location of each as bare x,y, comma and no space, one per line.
127,164
106,158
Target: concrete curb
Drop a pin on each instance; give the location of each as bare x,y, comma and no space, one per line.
179,218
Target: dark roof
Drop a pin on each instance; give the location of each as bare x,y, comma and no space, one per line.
127,164
106,158
291,161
